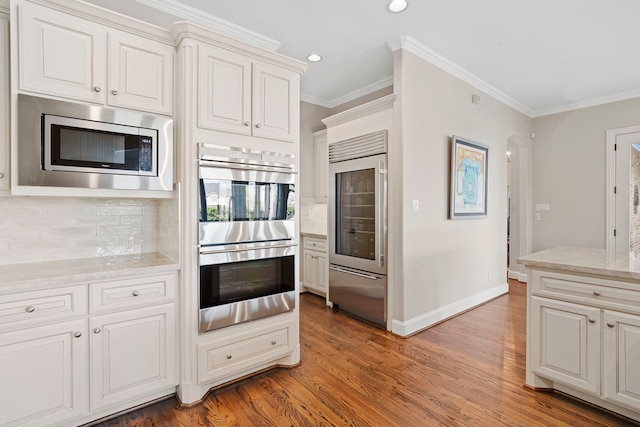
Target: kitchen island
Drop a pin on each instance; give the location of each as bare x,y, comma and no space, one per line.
583,326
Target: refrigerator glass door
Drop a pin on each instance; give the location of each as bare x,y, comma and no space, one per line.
357,223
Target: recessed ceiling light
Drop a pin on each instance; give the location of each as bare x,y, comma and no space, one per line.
314,57
396,6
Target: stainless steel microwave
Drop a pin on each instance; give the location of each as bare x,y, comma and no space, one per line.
64,144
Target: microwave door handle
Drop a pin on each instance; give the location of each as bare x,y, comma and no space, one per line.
382,228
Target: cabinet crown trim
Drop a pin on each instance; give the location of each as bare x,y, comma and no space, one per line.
363,110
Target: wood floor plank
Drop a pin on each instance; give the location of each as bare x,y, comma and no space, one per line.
467,371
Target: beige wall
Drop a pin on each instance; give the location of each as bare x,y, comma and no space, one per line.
569,166
445,265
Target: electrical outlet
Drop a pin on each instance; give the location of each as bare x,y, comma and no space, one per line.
131,244
415,205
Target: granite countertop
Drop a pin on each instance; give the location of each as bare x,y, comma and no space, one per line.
586,261
19,277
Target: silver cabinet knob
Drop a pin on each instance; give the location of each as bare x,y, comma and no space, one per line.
247,123
97,330
258,125
273,342
596,293
30,308
114,92
592,320
97,89
1,175
610,324
229,356
135,293
77,334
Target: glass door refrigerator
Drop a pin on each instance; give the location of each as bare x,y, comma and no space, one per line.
358,226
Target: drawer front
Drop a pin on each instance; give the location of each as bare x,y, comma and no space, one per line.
595,291
315,244
25,308
219,361
136,292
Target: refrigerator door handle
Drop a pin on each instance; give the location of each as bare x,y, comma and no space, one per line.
366,276
382,232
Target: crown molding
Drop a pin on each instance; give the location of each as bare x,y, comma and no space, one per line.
586,104
366,90
214,23
410,44
363,110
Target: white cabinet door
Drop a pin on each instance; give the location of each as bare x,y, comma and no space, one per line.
140,73
224,95
4,102
276,94
61,55
322,269
309,270
132,353
621,356
43,374
566,343
322,166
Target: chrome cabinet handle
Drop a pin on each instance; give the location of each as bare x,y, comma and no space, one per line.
1,175
97,330
97,89
258,125
30,308
135,293
77,334
610,324
247,123
596,293
114,92
592,320
273,342
229,357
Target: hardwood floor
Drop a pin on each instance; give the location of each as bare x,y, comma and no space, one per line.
467,371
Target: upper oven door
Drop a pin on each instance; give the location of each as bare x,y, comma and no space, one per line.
242,204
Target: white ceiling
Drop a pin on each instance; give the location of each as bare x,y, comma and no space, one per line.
542,56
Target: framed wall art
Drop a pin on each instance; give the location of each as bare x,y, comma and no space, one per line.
469,172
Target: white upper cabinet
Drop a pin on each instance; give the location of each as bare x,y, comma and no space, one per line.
245,96
140,73
70,57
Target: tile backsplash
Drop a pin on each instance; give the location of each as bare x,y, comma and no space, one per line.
36,229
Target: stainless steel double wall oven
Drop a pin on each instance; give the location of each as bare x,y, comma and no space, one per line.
247,235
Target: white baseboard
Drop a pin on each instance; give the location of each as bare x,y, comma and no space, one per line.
438,315
520,277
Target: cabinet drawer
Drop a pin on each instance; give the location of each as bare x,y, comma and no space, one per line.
221,358
600,292
18,310
136,292
315,244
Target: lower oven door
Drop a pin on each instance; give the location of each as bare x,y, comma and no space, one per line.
242,284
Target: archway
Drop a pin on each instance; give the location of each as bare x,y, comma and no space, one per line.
520,205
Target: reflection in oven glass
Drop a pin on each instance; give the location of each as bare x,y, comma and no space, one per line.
226,200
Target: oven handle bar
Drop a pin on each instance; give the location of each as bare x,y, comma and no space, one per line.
245,166
245,249
366,276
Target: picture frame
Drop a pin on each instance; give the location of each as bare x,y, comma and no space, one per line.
469,179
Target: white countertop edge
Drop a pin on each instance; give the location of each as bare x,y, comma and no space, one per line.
589,261
51,274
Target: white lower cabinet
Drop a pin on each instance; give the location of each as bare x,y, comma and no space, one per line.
64,364
569,343
315,268
621,359
584,338
228,355
132,353
43,378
